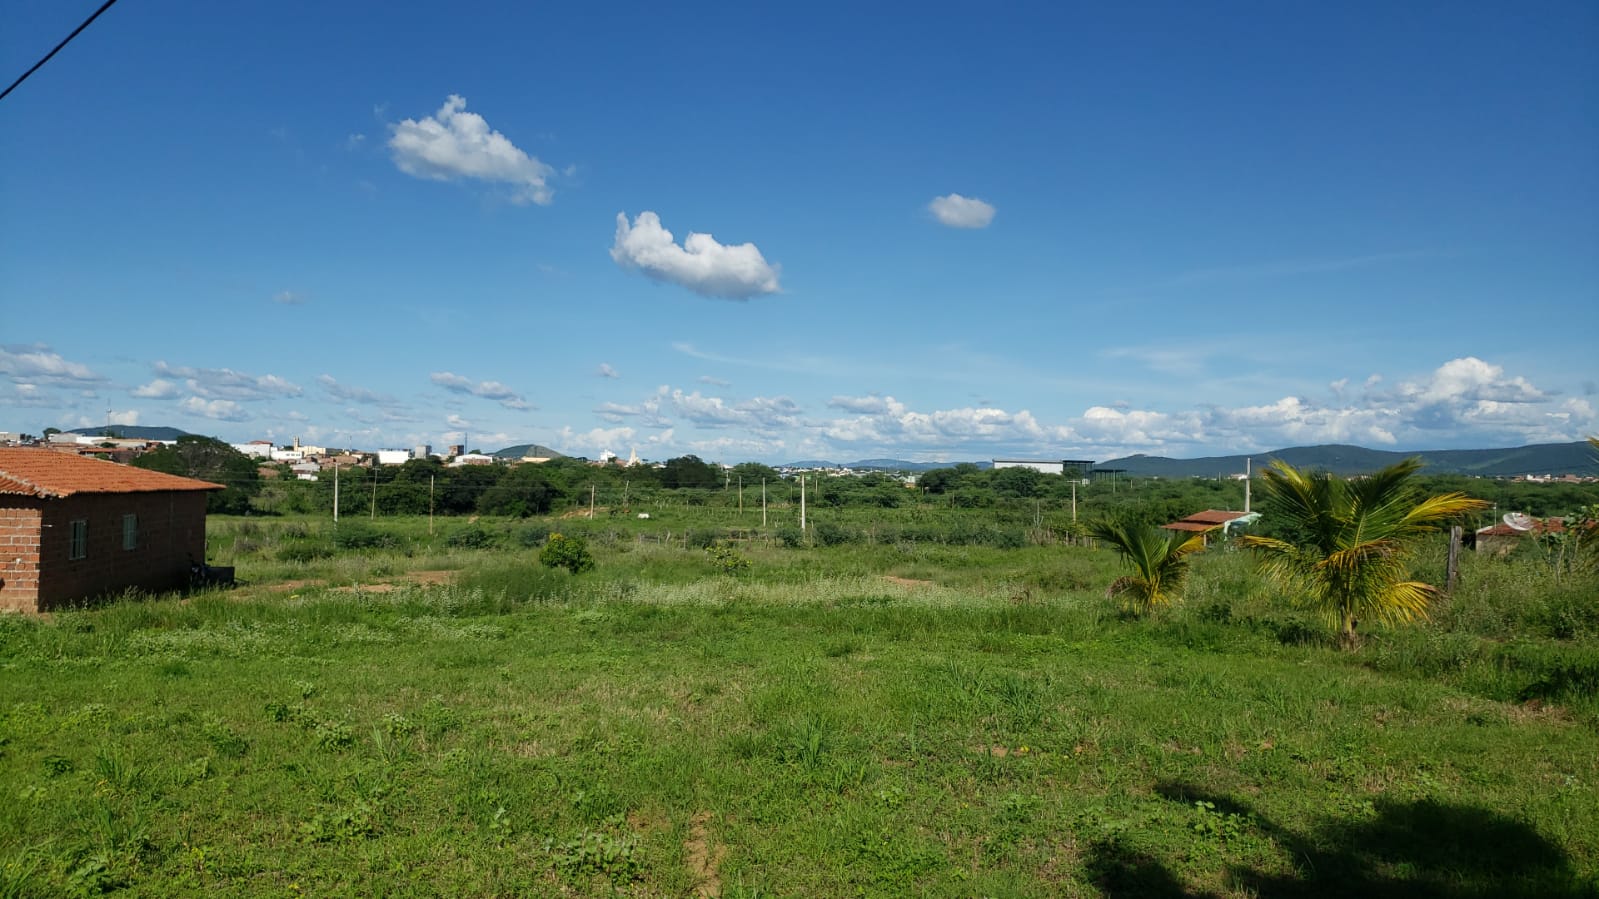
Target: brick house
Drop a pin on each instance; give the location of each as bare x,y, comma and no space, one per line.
73,528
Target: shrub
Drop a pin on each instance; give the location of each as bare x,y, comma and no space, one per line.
360,536
471,537
571,553
534,535
727,560
832,534
791,536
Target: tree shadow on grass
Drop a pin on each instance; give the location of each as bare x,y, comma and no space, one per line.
1407,849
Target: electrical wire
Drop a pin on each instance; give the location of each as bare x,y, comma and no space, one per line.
68,39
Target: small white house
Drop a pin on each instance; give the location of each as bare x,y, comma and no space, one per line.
393,457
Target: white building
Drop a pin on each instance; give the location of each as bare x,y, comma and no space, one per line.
1049,466
393,457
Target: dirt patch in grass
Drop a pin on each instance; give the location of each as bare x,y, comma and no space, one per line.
906,581
297,584
409,579
1538,710
704,860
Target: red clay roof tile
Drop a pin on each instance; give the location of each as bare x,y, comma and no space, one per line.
49,474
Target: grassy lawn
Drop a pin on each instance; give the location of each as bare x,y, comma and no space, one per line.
852,721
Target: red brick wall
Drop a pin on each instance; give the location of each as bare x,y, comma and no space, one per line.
171,535
19,553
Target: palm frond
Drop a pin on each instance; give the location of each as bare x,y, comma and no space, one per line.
1158,559
1351,541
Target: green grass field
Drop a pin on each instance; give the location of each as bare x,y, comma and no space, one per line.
393,714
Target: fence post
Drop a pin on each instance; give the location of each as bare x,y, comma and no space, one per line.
1454,560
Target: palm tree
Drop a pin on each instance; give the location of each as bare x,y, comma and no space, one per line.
1352,541
1159,558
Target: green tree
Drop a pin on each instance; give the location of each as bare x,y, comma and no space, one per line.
1349,542
690,471
1018,481
1159,559
458,495
211,460
755,472
522,491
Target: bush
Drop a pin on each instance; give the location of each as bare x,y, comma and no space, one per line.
472,537
571,553
360,536
831,534
534,535
727,560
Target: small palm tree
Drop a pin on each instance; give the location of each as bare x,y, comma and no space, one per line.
1159,558
1352,541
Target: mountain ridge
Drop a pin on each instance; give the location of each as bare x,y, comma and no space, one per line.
1338,458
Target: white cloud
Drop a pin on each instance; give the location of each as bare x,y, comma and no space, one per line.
859,404
456,421
40,363
606,371
227,384
127,418
454,143
597,440
158,389
288,298
957,211
701,264
349,393
220,410
27,395
885,423
489,390
759,413
1470,379
714,382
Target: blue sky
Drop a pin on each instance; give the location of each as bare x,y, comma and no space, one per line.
930,232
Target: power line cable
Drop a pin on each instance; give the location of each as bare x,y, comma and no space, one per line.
67,40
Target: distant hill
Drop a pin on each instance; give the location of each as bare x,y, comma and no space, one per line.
130,432
1545,458
527,449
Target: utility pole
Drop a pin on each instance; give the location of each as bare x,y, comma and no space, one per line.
591,502
1247,473
802,502
1074,502
336,468
763,502
741,495
374,514
430,505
